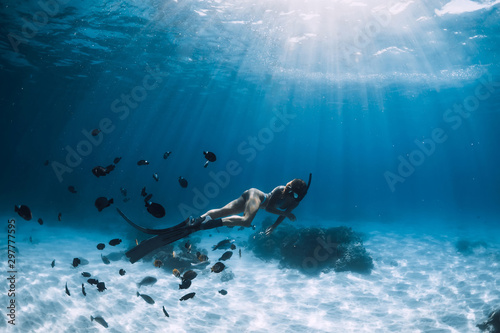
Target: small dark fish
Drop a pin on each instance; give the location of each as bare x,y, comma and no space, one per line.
188,246
232,247
155,209
210,157
59,217
101,246
83,290
227,255
116,160
187,296
239,252
115,242
23,211
93,281
147,281
218,267
148,197
71,188
46,163
147,298
105,260
183,182
100,320
126,199
185,284
40,221
155,176
53,263
165,312
224,244
110,168
166,155
101,287
202,257
189,275
122,272
67,290
76,262
86,274
102,202
142,162
95,132
31,240
99,171
143,191
124,191
223,292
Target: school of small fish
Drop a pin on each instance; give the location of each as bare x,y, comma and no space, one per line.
201,259
102,202
187,276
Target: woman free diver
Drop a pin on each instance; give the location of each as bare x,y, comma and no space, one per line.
280,201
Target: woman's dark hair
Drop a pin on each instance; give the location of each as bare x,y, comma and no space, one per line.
298,186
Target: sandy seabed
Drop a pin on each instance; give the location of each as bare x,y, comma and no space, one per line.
420,283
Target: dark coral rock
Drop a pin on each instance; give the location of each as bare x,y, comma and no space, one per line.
354,258
492,324
312,250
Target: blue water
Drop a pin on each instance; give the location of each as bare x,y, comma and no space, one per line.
393,108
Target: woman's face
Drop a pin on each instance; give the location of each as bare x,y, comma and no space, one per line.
289,191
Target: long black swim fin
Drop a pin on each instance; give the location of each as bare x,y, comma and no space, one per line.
163,237
167,235
156,242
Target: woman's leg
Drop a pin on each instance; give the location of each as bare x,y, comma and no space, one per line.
234,207
251,207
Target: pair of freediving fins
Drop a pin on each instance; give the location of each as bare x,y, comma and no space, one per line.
162,237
